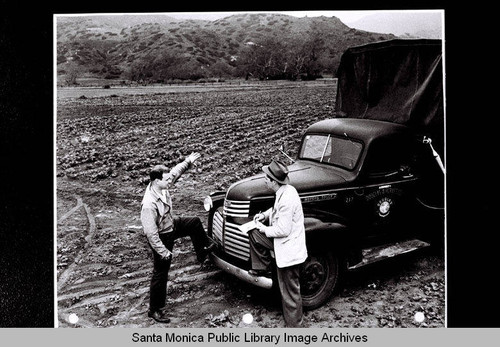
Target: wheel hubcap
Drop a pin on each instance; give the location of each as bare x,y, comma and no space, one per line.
313,276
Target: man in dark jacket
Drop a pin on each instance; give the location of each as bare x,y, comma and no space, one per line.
162,229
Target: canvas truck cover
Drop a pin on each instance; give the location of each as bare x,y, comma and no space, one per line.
399,81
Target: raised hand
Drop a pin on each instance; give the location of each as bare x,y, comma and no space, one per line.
193,157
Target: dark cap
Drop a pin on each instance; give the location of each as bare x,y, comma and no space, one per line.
277,171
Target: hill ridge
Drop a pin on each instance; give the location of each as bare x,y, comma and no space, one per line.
110,46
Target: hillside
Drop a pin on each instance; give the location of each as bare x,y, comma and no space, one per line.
157,47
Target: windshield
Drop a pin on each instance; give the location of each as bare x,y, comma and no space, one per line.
325,148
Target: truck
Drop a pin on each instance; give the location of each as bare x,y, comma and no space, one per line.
371,179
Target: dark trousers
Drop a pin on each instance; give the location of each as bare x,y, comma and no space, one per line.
288,277
183,226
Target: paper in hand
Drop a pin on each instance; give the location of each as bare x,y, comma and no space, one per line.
248,226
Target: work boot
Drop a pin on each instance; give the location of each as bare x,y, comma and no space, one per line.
206,251
159,317
210,247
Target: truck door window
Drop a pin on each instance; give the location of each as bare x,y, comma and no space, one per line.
387,156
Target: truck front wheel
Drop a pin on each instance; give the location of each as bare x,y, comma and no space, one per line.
318,278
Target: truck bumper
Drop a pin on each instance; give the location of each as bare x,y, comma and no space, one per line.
259,281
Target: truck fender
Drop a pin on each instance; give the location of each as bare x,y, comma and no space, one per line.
216,200
218,195
324,234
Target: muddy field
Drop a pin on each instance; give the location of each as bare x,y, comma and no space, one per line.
105,146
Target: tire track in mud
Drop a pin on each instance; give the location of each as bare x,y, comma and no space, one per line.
79,203
108,283
91,220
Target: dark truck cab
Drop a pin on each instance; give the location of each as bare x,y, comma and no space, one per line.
368,181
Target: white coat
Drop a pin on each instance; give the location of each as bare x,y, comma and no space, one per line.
287,227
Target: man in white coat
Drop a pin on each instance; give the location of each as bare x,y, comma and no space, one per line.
285,235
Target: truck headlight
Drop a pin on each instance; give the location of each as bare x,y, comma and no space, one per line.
207,203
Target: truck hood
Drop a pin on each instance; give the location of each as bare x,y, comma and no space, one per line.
305,176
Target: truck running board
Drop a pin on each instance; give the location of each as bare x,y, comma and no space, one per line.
372,255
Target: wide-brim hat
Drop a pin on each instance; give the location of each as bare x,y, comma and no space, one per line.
277,171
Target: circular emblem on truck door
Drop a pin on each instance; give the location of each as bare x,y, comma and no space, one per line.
384,206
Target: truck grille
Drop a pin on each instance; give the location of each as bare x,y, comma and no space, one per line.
236,242
238,209
230,237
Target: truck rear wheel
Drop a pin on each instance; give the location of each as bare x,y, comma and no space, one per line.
318,278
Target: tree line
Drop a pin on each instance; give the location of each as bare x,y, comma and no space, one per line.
271,57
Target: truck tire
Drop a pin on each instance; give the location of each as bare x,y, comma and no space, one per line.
318,278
